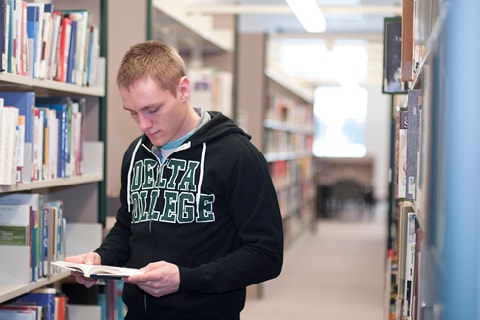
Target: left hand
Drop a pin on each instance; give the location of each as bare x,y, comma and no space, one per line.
158,278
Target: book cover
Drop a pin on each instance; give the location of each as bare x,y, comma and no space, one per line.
20,312
50,143
402,155
408,20
93,55
38,137
15,224
48,239
64,46
61,307
71,72
46,36
8,136
20,152
56,21
54,249
33,200
3,34
10,51
38,41
82,18
411,165
409,267
33,18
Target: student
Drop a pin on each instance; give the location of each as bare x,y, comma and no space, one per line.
199,213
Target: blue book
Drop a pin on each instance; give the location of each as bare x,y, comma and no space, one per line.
33,16
72,52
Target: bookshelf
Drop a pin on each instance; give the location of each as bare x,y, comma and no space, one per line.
417,263
81,193
279,117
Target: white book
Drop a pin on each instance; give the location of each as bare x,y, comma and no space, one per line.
98,271
8,138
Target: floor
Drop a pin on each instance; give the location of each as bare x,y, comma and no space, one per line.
334,273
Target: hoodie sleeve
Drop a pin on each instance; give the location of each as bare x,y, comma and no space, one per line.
260,254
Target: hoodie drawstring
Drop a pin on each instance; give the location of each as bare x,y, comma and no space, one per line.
132,160
200,181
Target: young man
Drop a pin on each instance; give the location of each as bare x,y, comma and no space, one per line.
199,213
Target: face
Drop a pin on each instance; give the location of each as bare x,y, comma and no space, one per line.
159,114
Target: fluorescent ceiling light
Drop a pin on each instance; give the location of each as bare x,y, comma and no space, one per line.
309,14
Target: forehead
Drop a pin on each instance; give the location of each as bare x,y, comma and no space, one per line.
144,93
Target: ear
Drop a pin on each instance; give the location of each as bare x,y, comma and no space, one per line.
184,89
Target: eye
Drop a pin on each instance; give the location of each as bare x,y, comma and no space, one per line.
151,110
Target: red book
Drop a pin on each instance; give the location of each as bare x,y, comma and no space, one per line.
63,48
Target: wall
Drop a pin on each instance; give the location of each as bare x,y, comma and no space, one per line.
127,26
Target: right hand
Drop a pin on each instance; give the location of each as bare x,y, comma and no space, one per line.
85,258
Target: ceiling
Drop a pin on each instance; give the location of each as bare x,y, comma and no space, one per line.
274,16
345,19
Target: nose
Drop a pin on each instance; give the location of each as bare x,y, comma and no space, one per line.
143,122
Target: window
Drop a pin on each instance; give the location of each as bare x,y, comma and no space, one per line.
335,68
340,114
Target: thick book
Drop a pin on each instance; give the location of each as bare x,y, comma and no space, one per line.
98,271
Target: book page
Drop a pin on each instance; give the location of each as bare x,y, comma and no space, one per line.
98,271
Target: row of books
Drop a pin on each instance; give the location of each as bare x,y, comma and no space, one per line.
409,155
41,138
41,304
288,172
40,42
287,141
283,108
403,286
29,220
406,231
55,304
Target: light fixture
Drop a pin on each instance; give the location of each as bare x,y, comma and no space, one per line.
309,14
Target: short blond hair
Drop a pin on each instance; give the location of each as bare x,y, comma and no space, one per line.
151,59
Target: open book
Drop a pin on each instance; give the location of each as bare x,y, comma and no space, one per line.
98,271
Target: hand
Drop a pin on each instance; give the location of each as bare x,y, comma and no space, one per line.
86,258
158,278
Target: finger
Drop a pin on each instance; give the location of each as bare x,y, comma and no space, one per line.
92,258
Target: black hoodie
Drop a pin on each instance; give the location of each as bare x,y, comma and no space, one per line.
211,209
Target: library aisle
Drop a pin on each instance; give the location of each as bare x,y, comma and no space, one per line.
334,273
